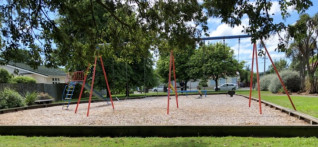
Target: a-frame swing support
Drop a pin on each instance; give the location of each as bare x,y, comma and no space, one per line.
251,77
92,85
171,63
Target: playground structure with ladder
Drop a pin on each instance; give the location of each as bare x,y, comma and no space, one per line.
80,77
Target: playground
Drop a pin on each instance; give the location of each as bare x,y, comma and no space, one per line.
210,110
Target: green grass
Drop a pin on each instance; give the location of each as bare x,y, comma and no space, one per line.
21,141
305,104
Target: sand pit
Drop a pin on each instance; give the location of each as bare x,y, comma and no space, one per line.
210,110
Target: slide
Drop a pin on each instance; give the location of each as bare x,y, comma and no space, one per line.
95,93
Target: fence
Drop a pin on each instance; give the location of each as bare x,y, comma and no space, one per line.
54,90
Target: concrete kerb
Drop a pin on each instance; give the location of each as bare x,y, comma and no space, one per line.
307,118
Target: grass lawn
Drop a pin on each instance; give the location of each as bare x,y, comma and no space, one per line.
305,104
155,141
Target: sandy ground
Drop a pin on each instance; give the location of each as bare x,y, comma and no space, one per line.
210,110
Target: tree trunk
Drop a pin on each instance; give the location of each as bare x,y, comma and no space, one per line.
185,85
216,84
127,90
302,75
311,77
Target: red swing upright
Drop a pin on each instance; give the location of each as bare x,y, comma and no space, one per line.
171,63
258,86
83,79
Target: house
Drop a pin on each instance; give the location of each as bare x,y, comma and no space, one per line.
41,75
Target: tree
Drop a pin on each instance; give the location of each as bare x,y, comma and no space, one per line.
181,65
5,77
304,46
214,61
29,25
280,65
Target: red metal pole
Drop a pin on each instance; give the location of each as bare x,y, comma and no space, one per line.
169,82
105,76
258,87
251,79
92,86
175,80
280,79
80,96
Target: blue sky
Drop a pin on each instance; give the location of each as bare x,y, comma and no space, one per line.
216,28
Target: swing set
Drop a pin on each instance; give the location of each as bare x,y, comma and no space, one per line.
81,77
171,63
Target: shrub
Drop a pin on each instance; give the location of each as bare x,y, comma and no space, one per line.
291,80
265,81
5,77
10,98
44,96
30,98
23,79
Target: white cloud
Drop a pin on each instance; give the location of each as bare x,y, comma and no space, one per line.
275,8
214,20
225,29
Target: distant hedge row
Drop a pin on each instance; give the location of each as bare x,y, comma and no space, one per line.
271,82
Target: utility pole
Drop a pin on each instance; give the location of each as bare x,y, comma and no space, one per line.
264,64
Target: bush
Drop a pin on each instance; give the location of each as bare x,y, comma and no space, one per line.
291,80
265,81
10,99
44,96
30,98
23,79
5,77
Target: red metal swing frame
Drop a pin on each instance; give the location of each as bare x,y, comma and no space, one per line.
258,85
81,76
171,63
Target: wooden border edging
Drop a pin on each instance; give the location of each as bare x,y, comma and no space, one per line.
307,118
162,131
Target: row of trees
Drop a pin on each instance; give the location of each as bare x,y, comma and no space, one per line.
213,61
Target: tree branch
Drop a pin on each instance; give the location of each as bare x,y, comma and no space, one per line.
111,13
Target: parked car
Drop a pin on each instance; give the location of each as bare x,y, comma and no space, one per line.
226,87
158,89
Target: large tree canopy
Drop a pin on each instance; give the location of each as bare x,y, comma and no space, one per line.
69,30
214,61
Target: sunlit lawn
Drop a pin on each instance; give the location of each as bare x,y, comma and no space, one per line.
21,141
305,104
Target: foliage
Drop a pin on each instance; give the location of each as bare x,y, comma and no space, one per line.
214,61
82,25
291,80
5,77
23,79
44,96
203,82
30,97
304,46
10,99
182,67
280,66
265,81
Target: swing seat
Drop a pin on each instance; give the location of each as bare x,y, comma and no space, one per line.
231,93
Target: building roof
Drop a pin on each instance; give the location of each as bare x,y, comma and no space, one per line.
40,70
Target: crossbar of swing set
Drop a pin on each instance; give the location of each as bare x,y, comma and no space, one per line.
226,37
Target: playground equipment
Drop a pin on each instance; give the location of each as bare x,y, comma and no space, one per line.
171,63
80,78
254,54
